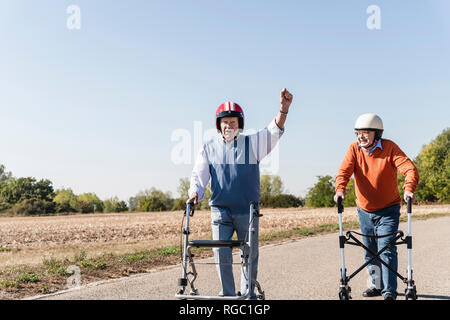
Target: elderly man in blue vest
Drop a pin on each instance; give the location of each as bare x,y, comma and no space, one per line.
231,160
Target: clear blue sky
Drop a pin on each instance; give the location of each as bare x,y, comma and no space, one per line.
94,109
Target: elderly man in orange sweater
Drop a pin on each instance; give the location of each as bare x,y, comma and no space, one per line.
374,163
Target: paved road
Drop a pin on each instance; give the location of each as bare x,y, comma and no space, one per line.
302,269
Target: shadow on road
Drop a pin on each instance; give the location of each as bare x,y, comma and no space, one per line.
429,296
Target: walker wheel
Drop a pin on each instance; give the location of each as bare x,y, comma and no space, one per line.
344,293
194,292
182,282
411,294
261,296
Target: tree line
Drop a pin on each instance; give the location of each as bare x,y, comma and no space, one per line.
272,195
29,196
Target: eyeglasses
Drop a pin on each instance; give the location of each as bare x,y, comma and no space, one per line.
362,133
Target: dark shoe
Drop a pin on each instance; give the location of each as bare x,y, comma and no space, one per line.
372,292
388,296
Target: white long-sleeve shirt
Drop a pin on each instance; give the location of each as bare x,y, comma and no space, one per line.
262,143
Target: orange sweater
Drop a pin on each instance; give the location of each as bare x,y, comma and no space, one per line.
375,175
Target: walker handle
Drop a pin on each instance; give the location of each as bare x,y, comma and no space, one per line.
409,205
255,209
189,208
339,205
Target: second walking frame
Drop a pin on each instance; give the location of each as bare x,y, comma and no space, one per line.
349,238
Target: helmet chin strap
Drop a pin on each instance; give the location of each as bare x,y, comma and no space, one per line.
372,144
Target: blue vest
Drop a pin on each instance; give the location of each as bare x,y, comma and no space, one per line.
234,171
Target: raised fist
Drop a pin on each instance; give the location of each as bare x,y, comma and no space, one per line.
285,100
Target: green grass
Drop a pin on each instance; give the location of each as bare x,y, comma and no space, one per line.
168,251
94,264
54,266
423,216
18,277
10,284
28,277
80,256
135,257
149,254
306,232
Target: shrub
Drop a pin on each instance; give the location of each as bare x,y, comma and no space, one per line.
151,200
179,204
33,207
66,201
15,190
281,201
350,196
153,204
433,164
89,202
321,195
114,205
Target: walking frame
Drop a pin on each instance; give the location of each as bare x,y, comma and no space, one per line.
190,273
344,289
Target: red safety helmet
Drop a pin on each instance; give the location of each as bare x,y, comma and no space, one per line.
229,109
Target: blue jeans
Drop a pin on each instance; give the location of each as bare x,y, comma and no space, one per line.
379,223
224,223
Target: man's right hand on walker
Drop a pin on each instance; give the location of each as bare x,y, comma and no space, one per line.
193,199
337,195
409,194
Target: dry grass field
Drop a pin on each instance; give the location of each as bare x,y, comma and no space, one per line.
30,240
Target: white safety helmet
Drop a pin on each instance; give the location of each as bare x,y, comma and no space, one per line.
370,121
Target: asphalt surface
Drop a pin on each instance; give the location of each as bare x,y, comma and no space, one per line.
306,269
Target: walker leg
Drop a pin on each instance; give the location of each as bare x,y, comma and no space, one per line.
187,258
249,258
344,288
410,291
261,295
344,292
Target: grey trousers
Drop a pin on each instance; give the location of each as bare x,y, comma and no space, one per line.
224,223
